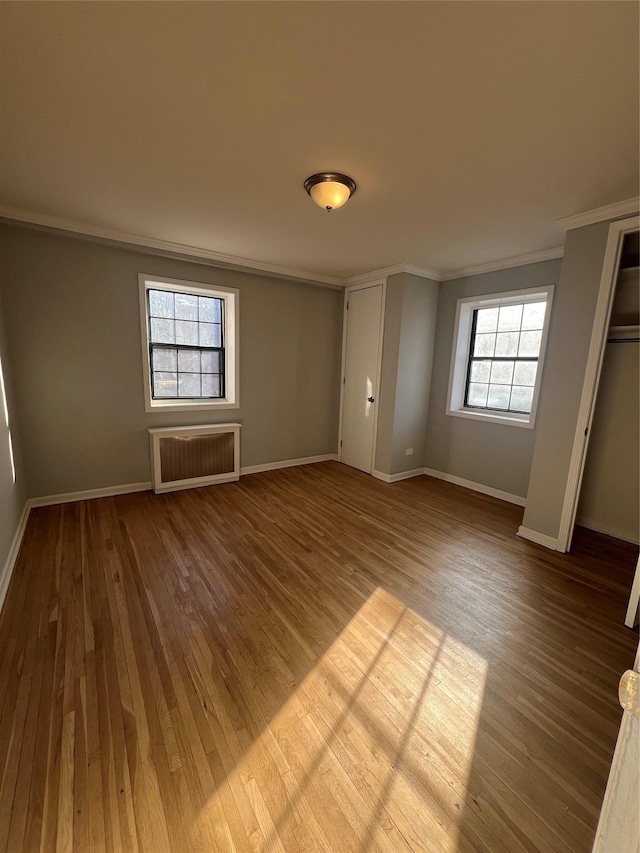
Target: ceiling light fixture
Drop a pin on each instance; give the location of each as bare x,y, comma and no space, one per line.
330,189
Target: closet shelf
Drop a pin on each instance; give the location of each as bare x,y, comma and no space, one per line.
623,333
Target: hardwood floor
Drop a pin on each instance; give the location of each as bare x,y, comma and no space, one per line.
307,660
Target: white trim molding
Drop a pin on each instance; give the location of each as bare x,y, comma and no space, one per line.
288,463
505,263
538,538
396,478
12,557
197,253
89,494
385,272
130,488
601,214
230,297
476,487
461,355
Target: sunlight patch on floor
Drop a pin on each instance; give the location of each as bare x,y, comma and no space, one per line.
371,752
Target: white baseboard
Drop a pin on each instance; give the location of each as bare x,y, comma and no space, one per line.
538,538
128,488
395,478
608,530
108,492
10,562
288,463
476,487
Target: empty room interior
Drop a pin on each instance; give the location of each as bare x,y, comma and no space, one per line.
319,426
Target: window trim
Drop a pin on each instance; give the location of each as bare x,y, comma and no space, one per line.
460,354
230,297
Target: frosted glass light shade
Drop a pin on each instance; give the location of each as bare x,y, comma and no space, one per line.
330,194
330,190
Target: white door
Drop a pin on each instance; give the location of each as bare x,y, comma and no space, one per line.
619,826
364,318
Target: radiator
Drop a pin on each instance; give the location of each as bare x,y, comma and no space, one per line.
186,457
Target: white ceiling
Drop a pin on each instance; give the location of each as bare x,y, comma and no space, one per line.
468,127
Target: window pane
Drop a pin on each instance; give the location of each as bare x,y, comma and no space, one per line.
188,384
186,338
165,359
186,306
189,361
530,343
165,385
510,318
210,310
210,335
525,373
507,343
487,320
521,399
480,371
502,372
162,331
210,385
186,332
484,345
533,315
211,362
477,395
499,396
160,303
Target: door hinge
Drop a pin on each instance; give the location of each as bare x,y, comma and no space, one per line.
340,444
344,380
347,306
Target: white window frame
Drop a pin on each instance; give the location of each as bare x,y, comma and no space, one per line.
230,298
460,354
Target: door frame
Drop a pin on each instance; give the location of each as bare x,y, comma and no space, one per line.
617,232
345,324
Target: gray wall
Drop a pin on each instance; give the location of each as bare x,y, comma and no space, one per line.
390,350
407,358
74,341
13,492
495,455
567,351
609,497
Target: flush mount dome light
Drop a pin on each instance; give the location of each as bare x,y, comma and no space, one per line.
330,189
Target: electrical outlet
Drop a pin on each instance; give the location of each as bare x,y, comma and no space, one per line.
409,451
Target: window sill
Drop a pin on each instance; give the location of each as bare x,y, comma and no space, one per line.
493,417
190,406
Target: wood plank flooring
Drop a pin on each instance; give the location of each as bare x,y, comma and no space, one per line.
307,660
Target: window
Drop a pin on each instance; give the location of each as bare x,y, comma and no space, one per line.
497,356
189,342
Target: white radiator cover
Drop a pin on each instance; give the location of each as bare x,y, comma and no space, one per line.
187,457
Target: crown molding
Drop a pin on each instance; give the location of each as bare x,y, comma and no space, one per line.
374,275
505,263
600,214
423,272
42,220
219,259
